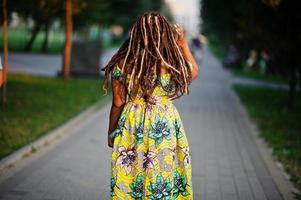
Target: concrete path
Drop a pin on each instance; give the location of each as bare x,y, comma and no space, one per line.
226,162
36,64
44,64
259,83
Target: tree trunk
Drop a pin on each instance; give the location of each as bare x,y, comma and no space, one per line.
68,40
5,54
34,34
45,42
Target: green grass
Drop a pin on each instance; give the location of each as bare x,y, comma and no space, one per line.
216,46
256,75
280,127
37,105
18,38
219,50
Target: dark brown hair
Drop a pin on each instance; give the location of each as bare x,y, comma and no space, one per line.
152,44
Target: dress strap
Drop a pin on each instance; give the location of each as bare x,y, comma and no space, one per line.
116,73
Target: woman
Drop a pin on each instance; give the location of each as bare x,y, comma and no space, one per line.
150,155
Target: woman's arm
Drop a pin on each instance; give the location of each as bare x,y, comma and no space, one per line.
182,42
189,57
118,102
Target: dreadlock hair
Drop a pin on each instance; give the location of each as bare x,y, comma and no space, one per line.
152,43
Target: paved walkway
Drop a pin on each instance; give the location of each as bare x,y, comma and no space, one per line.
44,64
226,162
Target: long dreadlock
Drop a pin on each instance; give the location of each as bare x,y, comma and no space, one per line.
152,44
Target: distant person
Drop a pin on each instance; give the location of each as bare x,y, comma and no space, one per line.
150,156
197,43
263,62
1,74
196,48
251,61
231,58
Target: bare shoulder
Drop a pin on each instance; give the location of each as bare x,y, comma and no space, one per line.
128,65
164,69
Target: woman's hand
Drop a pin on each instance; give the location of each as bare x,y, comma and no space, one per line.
186,51
181,36
110,141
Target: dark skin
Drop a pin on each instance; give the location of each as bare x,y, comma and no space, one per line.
119,90
118,102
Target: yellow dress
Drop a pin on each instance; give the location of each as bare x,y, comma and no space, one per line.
150,155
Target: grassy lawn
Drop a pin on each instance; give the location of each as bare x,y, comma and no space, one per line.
216,47
39,104
17,39
256,75
219,50
280,127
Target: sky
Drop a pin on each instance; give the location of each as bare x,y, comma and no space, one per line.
187,14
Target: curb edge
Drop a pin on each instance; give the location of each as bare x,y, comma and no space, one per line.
49,138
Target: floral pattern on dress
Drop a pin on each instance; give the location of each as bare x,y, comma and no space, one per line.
150,155
149,161
126,158
159,130
178,129
139,133
161,189
180,185
113,184
137,188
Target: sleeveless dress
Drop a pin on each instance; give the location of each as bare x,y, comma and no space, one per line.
150,154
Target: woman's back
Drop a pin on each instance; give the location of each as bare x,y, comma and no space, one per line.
150,155
158,89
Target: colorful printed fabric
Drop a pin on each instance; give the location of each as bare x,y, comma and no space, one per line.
150,155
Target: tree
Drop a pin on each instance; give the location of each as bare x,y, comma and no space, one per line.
43,13
271,25
124,13
5,52
68,40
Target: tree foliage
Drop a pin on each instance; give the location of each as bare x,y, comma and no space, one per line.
271,25
85,12
103,13
124,12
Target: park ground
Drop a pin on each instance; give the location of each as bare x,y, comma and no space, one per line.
229,161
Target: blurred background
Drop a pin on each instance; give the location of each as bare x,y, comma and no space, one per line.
52,51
